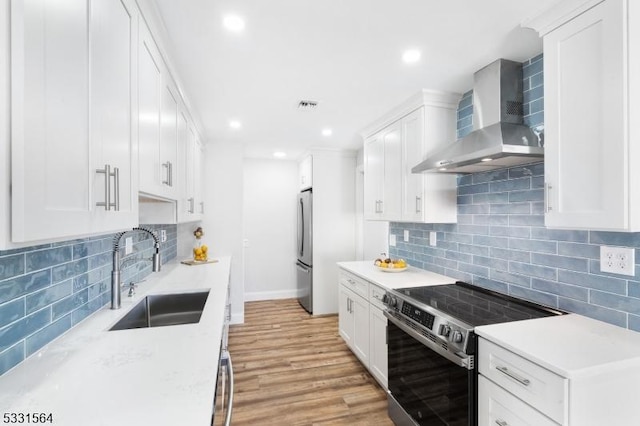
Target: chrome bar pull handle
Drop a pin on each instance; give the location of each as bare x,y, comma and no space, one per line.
116,189
166,166
507,372
170,173
191,205
107,187
201,207
418,204
500,422
547,204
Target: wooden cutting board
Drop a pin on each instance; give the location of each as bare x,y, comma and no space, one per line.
192,262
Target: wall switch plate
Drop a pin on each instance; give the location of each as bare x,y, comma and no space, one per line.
432,238
618,260
163,235
406,235
392,240
128,245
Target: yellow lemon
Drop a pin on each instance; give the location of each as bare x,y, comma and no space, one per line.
204,248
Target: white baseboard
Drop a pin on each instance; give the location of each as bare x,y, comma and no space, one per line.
270,295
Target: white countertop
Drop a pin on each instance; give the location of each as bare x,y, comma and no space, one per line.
569,345
151,376
412,277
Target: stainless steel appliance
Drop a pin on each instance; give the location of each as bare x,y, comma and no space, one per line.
304,265
500,139
223,404
432,345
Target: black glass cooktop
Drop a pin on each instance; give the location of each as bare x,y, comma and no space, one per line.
476,306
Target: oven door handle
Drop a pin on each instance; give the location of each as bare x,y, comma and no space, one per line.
466,362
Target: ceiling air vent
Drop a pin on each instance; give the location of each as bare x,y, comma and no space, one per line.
306,105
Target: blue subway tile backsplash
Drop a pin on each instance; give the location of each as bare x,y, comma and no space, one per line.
500,241
47,289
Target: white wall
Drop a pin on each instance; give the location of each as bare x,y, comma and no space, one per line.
270,196
223,186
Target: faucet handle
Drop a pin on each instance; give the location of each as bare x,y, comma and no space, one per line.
132,287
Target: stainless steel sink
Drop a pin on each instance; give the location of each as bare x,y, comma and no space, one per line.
164,309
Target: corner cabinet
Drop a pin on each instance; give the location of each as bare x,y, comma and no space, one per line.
591,60
396,143
362,324
73,118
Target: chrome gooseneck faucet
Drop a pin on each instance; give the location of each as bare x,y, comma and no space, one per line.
115,272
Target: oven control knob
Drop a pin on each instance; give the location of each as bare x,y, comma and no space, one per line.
456,337
444,330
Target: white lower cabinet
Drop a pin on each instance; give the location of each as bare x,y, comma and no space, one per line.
362,324
598,384
354,320
496,406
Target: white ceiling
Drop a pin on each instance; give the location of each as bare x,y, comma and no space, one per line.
346,54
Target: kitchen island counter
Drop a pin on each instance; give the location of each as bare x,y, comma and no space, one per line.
146,376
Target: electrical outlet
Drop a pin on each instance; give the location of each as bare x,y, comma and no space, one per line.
392,240
432,238
618,260
128,245
163,235
406,235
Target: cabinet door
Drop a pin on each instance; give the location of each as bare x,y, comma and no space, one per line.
412,153
586,143
149,102
378,345
49,120
345,317
373,176
199,177
168,139
392,187
306,173
185,169
113,113
360,311
496,406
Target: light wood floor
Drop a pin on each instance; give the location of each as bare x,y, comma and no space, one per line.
294,369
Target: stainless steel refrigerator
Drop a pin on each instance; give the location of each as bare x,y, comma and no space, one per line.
304,265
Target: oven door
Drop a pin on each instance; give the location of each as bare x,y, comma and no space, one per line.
428,385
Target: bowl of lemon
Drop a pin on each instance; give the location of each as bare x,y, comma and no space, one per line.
390,265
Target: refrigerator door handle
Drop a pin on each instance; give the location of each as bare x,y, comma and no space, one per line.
301,230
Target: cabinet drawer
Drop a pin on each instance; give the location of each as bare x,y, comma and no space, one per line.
356,284
375,296
498,407
543,390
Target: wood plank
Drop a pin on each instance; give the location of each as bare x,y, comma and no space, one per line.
292,368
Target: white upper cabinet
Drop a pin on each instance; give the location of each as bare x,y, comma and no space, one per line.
591,147
392,192
382,174
305,170
150,96
60,134
114,112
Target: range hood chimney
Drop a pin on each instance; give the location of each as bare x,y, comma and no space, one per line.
499,138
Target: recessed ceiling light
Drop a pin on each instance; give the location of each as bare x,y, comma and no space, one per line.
327,132
233,23
235,124
279,154
411,56
442,169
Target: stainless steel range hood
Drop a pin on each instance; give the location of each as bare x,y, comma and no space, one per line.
499,138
